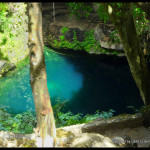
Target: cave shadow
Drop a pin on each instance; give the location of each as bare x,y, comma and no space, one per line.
107,84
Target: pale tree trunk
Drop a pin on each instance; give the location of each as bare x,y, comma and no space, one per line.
129,39
46,131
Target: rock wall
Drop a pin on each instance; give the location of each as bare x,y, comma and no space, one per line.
52,29
5,67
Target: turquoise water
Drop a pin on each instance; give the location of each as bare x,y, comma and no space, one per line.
90,83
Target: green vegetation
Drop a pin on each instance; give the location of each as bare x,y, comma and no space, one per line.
64,30
82,9
88,43
79,9
25,122
143,109
13,31
114,37
21,123
103,15
23,62
142,24
68,118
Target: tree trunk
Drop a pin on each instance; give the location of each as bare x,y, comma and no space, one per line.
46,131
135,56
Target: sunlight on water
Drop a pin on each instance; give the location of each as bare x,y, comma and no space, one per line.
63,79
15,89
88,83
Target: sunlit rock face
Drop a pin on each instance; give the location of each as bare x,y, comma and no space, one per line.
10,139
2,63
5,67
52,29
92,140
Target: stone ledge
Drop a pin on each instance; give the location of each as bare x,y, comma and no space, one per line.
5,67
101,125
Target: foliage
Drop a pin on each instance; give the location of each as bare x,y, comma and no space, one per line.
68,118
143,109
20,123
84,10
143,30
141,23
26,121
114,37
2,56
23,62
88,44
103,15
139,16
134,109
13,31
64,30
79,9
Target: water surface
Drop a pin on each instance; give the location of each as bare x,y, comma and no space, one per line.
90,83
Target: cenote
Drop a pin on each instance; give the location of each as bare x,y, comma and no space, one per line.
89,82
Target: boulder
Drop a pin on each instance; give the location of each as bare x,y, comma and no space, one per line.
5,67
81,28
2,63
3,143
102,126
91,140
124,141
11,139
64,138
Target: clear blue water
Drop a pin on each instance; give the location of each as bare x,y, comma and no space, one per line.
88,82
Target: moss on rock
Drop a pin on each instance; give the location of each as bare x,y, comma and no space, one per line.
63,138
29,143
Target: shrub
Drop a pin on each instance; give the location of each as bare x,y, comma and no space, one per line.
20,123
68,118
13,31
88,44
26,121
